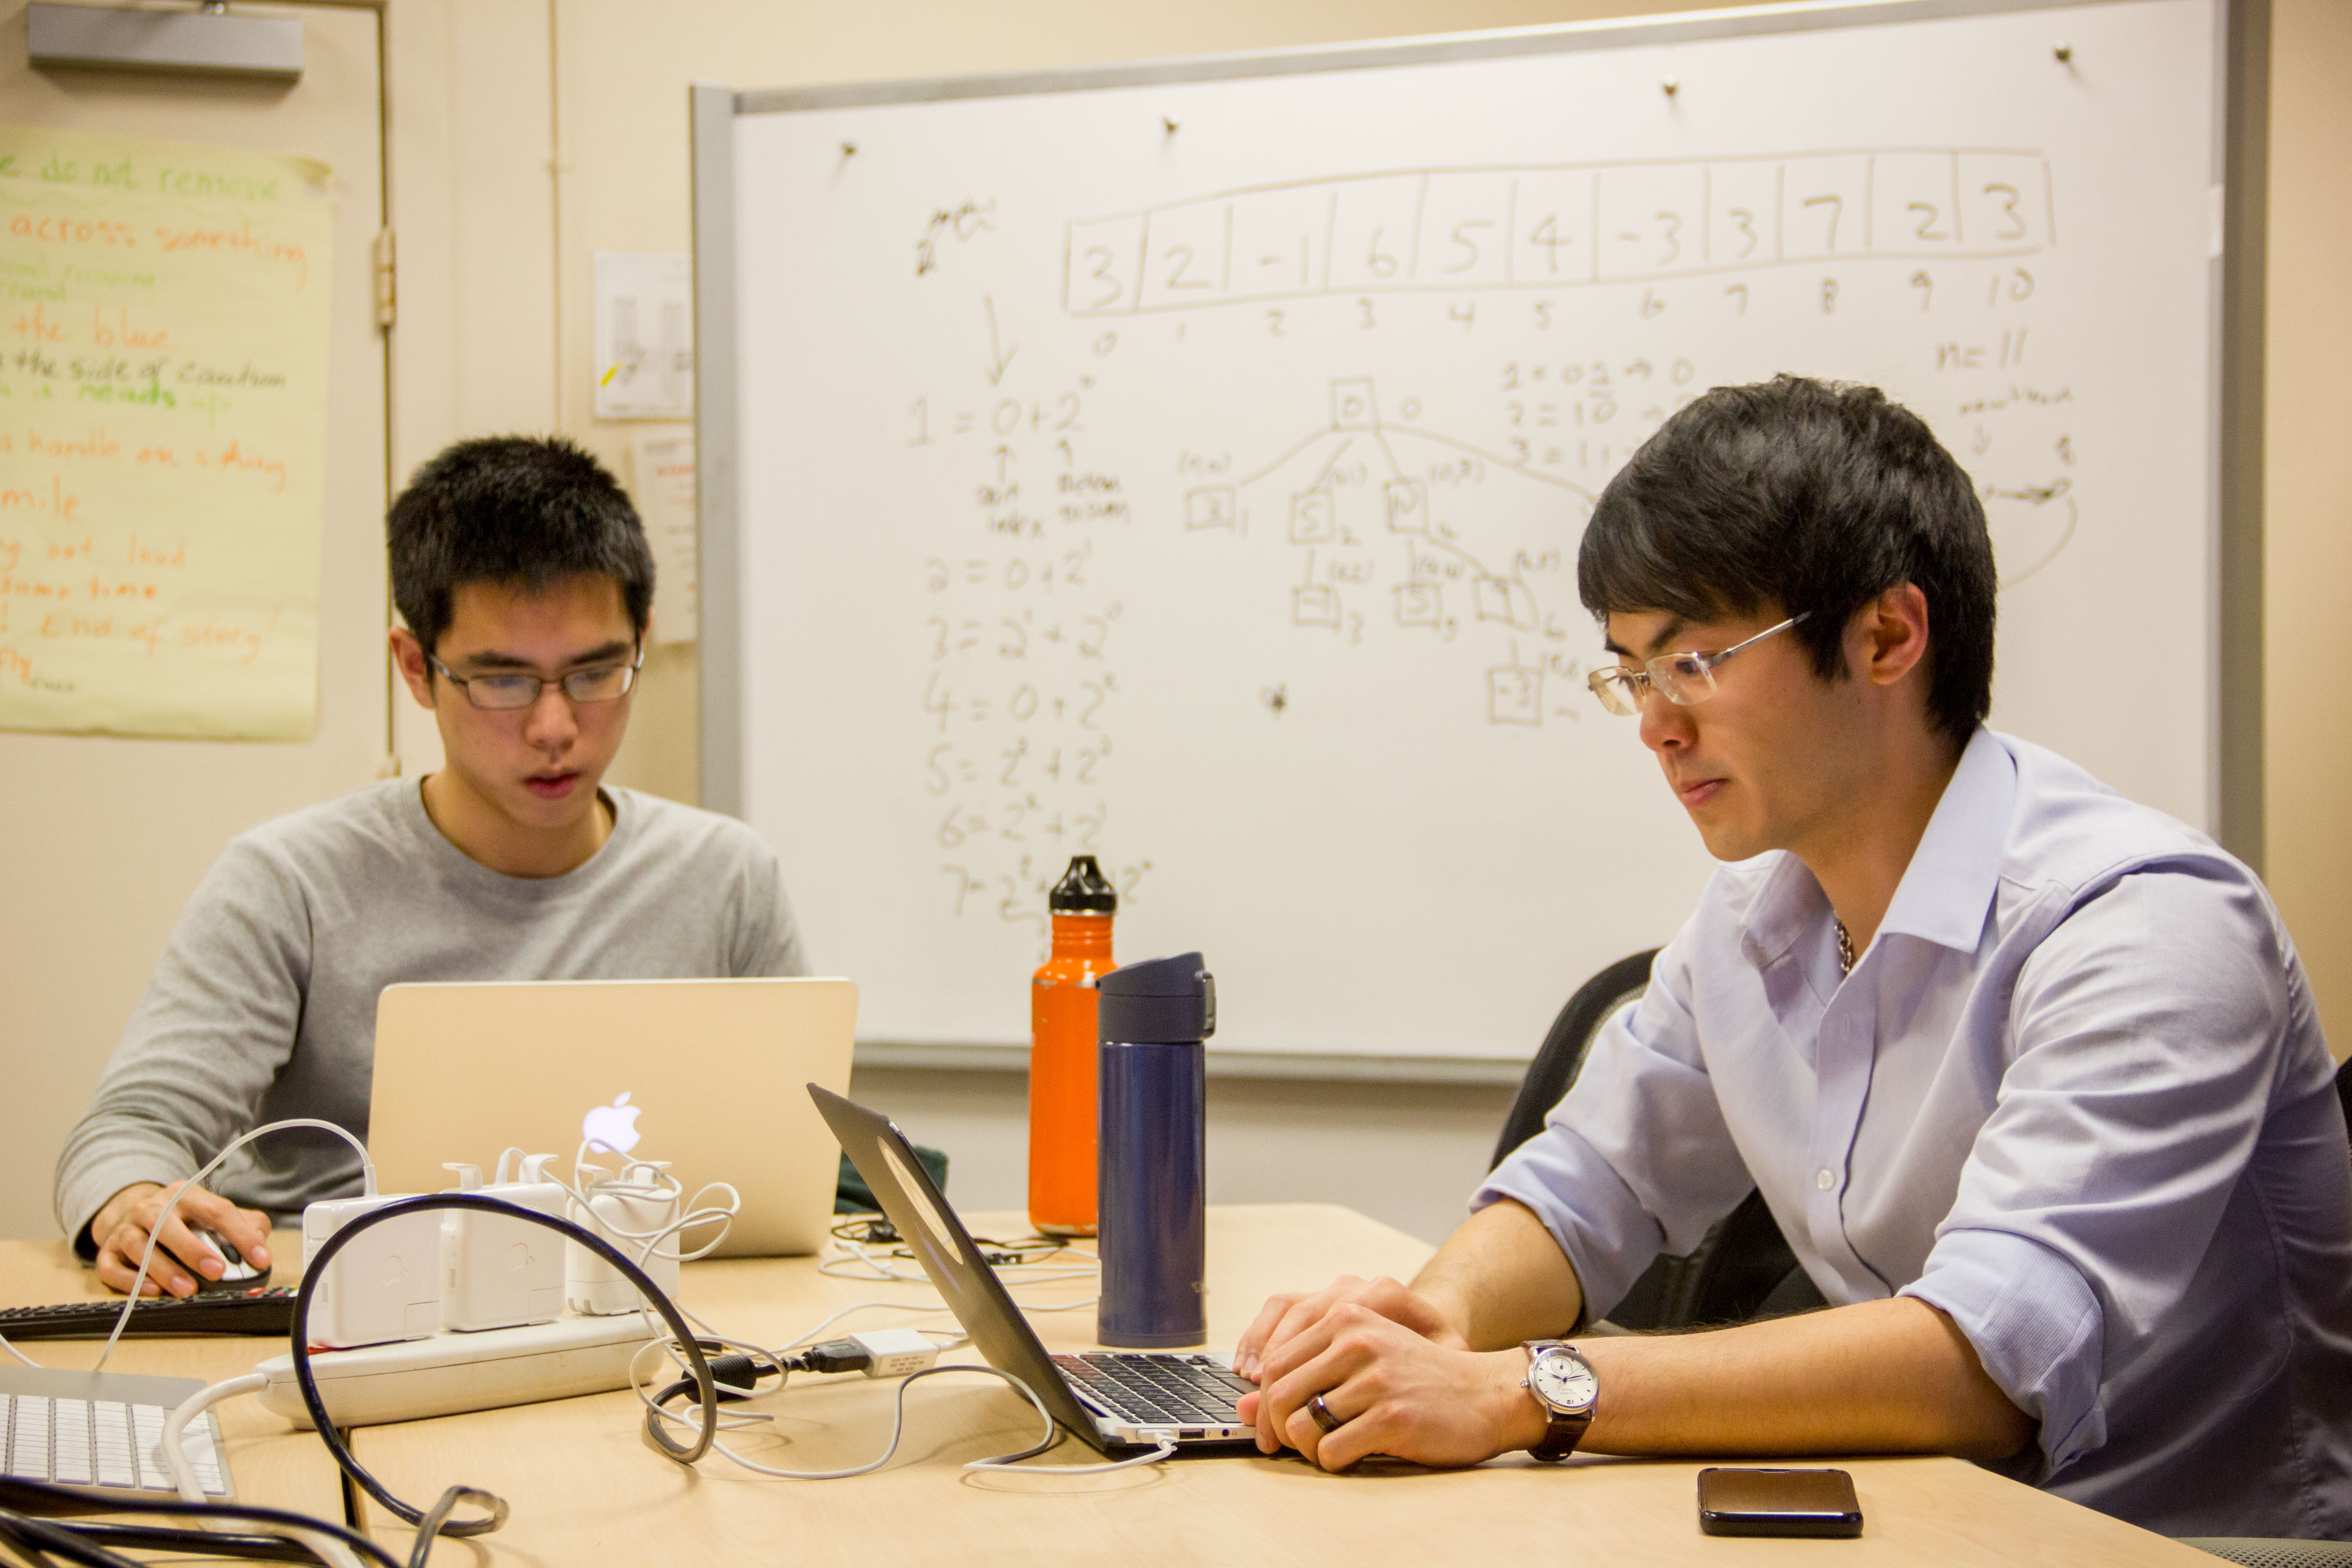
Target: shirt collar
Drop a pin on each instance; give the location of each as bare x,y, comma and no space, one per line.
1947,887
1953,874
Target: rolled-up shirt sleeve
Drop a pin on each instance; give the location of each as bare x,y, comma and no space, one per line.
1636,1157
2146,1029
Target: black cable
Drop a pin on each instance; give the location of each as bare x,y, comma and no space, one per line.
436,1520
48,1540
209,1542
20,1498
314,1270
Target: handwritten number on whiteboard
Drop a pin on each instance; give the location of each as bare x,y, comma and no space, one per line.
1836,205
1182,255
1672,223
1746,222
2009,211
1274,322
1382,265
1928,229
1465,242
1927,287
922,423
1546,234
1113,290
1741,290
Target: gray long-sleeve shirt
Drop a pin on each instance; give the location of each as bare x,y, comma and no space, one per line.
263,1005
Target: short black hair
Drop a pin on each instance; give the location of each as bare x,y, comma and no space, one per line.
526,512
1813,495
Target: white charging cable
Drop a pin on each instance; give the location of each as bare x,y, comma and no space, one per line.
1165,1441
147,1258
326,1548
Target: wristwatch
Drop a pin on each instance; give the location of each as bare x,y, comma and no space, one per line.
1563,1383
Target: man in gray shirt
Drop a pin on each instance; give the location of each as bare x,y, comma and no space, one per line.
523,572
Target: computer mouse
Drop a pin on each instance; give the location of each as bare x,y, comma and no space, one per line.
239,1275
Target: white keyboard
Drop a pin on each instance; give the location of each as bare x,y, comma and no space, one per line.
104,1432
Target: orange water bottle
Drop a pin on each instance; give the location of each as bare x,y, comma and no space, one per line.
1061,1052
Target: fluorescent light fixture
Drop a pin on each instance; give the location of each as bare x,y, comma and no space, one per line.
177,43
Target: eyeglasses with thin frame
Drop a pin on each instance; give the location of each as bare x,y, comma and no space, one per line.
505,692
1682,679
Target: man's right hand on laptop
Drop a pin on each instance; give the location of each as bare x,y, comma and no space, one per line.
122,1227
1285,1317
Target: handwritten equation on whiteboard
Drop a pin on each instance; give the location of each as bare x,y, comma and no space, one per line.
1557,226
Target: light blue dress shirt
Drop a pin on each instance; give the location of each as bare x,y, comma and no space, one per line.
2075,1094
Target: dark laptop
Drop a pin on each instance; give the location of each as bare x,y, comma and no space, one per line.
1118,1400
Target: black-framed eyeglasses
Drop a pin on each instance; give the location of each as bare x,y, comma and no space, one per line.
507,691
1682,679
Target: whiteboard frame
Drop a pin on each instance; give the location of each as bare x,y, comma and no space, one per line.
2233,506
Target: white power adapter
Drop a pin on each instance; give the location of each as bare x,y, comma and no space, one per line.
385,1285
894,1353
501,1273
642,1199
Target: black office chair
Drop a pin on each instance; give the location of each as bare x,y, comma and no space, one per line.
1743,1268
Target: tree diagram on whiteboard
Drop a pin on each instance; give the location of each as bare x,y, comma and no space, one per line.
1428,376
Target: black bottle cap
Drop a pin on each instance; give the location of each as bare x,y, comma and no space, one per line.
1158,1002
1083,890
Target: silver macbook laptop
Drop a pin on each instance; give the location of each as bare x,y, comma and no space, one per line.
695,1073
1114,1400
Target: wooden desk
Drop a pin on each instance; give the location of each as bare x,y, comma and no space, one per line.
585,1486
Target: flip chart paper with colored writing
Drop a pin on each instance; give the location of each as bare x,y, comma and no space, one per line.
164,331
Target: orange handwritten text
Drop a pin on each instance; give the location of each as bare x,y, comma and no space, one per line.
72,230
57,502
100,589
233,459
240,241
60,624
96,443
121,331
212,634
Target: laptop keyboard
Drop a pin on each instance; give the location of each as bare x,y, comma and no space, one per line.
1158,1390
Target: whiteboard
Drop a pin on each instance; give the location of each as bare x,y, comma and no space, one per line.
1186,464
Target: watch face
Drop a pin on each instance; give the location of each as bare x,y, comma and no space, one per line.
1563,1381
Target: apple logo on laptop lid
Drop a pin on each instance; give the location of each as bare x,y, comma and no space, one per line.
612,1127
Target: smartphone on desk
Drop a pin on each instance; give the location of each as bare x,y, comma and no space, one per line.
1777,1502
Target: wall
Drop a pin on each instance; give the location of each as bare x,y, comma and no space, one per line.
106,837
524,135
2307,477
621,138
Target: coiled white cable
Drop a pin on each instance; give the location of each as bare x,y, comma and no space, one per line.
147,1258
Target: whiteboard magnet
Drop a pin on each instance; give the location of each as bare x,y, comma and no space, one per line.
1168,122
1673,85
2065,51
849,149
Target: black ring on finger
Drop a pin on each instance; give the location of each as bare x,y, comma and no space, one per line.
1323,1417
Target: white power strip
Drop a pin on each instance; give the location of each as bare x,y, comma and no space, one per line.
447,1373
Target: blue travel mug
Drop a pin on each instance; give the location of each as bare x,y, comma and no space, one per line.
1153,1158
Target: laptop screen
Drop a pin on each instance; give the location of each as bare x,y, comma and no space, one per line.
939,1242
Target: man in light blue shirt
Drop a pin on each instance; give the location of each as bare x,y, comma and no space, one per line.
2029,1075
